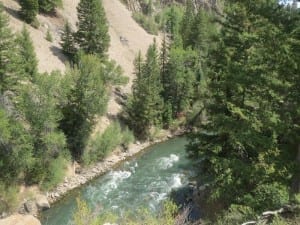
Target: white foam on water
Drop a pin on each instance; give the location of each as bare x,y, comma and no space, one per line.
115,207
167,162
116,178
162,197
133,167
176,181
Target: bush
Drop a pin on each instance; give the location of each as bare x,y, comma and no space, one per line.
235,215
127,137
56,173
148,23
102,144
49,36
267,197
8,198
85,216
35,24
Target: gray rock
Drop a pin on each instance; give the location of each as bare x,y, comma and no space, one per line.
22,209
42,202
31,207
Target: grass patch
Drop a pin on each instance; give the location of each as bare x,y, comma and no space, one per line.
55,174
102,144
8,198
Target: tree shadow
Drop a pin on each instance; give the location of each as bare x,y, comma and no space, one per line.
58,52
14,13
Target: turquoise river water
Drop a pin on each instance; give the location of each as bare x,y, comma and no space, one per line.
143,182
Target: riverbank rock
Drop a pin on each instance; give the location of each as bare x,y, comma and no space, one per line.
20,220
42,202
31,207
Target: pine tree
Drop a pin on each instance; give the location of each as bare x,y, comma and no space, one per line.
48,6
241,145
92,35
146,105
68,41
8,57
28,61
180,79
15,149
86,99
187,23
172,26
44,96
29,10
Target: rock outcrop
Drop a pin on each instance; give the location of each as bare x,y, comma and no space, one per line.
42,202
18,219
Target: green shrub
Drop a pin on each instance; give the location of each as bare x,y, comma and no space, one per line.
56,173
267,197
49,36
127,137
85,216
35,24
8,198
148,23
235,215
102,144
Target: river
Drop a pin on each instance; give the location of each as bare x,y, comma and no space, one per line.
143,182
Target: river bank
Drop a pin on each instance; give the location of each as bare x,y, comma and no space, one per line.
141,182
86,175
32,206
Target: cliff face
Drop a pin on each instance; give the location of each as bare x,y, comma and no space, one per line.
139,5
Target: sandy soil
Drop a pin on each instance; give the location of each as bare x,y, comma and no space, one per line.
49,54
121,24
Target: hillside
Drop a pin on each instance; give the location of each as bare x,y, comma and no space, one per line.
121,26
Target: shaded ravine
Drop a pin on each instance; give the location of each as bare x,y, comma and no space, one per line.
143,182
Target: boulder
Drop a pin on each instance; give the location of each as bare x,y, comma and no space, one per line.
42,202
20,220
31,207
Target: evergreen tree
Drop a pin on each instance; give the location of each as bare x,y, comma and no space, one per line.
187,23
180,80
172,26
241,145
29,9
48,6
68,41
15,148
92,35
44,96
28,61
8,55
146,105
86,99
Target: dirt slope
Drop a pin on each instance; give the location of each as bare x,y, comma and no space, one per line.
49,54
127,37
134,38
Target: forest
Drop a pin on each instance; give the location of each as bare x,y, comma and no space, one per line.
228,73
